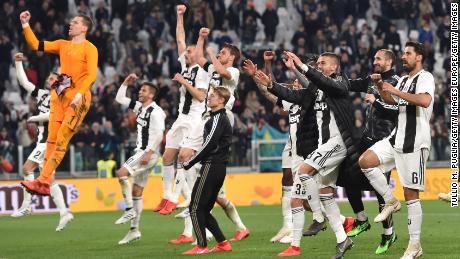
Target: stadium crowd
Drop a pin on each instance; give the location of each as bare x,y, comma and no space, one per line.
138,36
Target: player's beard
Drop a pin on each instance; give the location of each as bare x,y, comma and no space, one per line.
378,69
408,67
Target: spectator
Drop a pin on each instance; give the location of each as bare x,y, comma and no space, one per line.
106,166
393,40
443,34
425,34
249,30
270,21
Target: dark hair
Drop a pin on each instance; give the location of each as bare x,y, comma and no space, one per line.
234,51
152,87
87,22
333,56
389,54
418,48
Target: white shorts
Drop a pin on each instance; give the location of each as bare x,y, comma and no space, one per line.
297,191
194,140
286,157
140,173
411,167
38,154
328,156
180,128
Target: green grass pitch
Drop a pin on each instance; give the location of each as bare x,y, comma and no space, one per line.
94,235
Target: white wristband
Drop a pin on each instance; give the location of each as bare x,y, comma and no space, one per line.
25,25
304,67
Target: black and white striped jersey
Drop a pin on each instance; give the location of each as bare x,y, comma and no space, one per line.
294,118
150,125
215,79
43,106
412,130
327,125
198,78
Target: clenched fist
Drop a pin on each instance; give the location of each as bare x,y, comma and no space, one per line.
25,17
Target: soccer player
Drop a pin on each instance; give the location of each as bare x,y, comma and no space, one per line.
408,146
70,101
213,156
150,126
317,176
380,121
284,235
221,72
35,158
194,85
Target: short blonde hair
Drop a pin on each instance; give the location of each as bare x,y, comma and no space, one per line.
223,92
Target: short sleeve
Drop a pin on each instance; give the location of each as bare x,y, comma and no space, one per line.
135,105
158,119
202,79
425,84
234,74
397,86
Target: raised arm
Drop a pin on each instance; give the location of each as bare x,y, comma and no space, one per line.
199,93
199,49
268,59
250,68
292,96
223,72
337,87
21,74
121,94
180,33
31,39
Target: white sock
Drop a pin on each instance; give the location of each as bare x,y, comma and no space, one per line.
58,198
378,180
179,184
126,189
232,214
414,216
333,215
388,231
312,194
137,202
286,207
298,220
342,218
209,235
27,196
168,175
361,216
188,227
186,192
190,176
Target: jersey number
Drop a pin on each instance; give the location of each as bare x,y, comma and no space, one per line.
317,155
415,178
37,155
298,189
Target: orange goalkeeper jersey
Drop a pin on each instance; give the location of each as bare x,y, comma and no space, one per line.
78,60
